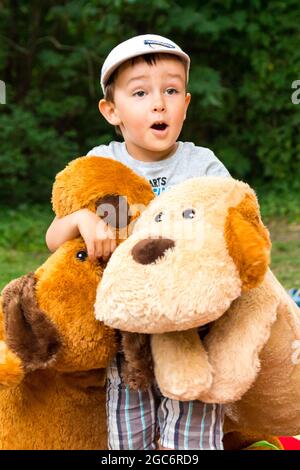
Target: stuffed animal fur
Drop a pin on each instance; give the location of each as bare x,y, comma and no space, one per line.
198,257
53,352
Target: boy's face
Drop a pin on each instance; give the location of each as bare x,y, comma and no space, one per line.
150,105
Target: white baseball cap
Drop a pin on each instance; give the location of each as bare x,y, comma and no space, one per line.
139,45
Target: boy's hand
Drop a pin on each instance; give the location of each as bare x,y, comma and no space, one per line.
99,238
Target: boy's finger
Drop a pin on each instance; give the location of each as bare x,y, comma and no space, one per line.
101,230
106,249
113,245
91,250
99,248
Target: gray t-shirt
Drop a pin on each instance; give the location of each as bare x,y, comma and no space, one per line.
188,161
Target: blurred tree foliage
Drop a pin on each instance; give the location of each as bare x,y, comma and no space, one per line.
245,56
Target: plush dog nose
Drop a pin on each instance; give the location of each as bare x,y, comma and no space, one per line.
149,250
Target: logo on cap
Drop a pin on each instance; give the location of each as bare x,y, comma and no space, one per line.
152,42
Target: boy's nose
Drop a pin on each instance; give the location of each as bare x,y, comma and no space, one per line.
158,103
159,107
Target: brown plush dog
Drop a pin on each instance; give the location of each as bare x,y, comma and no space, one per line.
53,352
198,257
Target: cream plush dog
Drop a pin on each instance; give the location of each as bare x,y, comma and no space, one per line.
198,257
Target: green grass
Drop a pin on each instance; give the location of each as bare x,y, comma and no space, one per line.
285,259
22,240
16,263
23,248
285,263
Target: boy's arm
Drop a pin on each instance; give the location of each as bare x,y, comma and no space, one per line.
61,230
99,239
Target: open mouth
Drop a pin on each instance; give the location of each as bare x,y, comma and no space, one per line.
159,126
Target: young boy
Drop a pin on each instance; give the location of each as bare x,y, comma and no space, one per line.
144,83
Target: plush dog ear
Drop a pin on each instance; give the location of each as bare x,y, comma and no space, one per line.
138,366
29,333
248,241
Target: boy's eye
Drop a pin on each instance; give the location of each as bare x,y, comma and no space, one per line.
139,93
171,91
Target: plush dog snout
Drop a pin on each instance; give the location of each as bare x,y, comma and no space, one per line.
149,250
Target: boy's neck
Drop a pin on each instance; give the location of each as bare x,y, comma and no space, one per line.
144,155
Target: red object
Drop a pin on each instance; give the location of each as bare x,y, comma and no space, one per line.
290,443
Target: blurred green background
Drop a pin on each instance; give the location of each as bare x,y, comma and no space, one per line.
245,56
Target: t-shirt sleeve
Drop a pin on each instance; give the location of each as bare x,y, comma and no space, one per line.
100,151
215,167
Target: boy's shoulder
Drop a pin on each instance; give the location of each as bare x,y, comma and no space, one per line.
111,150
191,149
202,159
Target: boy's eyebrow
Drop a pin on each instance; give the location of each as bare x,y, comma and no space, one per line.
139,77
176,75
143,77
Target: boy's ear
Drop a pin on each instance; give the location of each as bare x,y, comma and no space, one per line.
108,110
187,102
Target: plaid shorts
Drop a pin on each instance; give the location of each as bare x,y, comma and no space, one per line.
136,418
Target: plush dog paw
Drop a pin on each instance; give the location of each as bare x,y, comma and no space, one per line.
182,385
181,365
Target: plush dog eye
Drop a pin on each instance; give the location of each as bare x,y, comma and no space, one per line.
81,255
188,214
159,217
